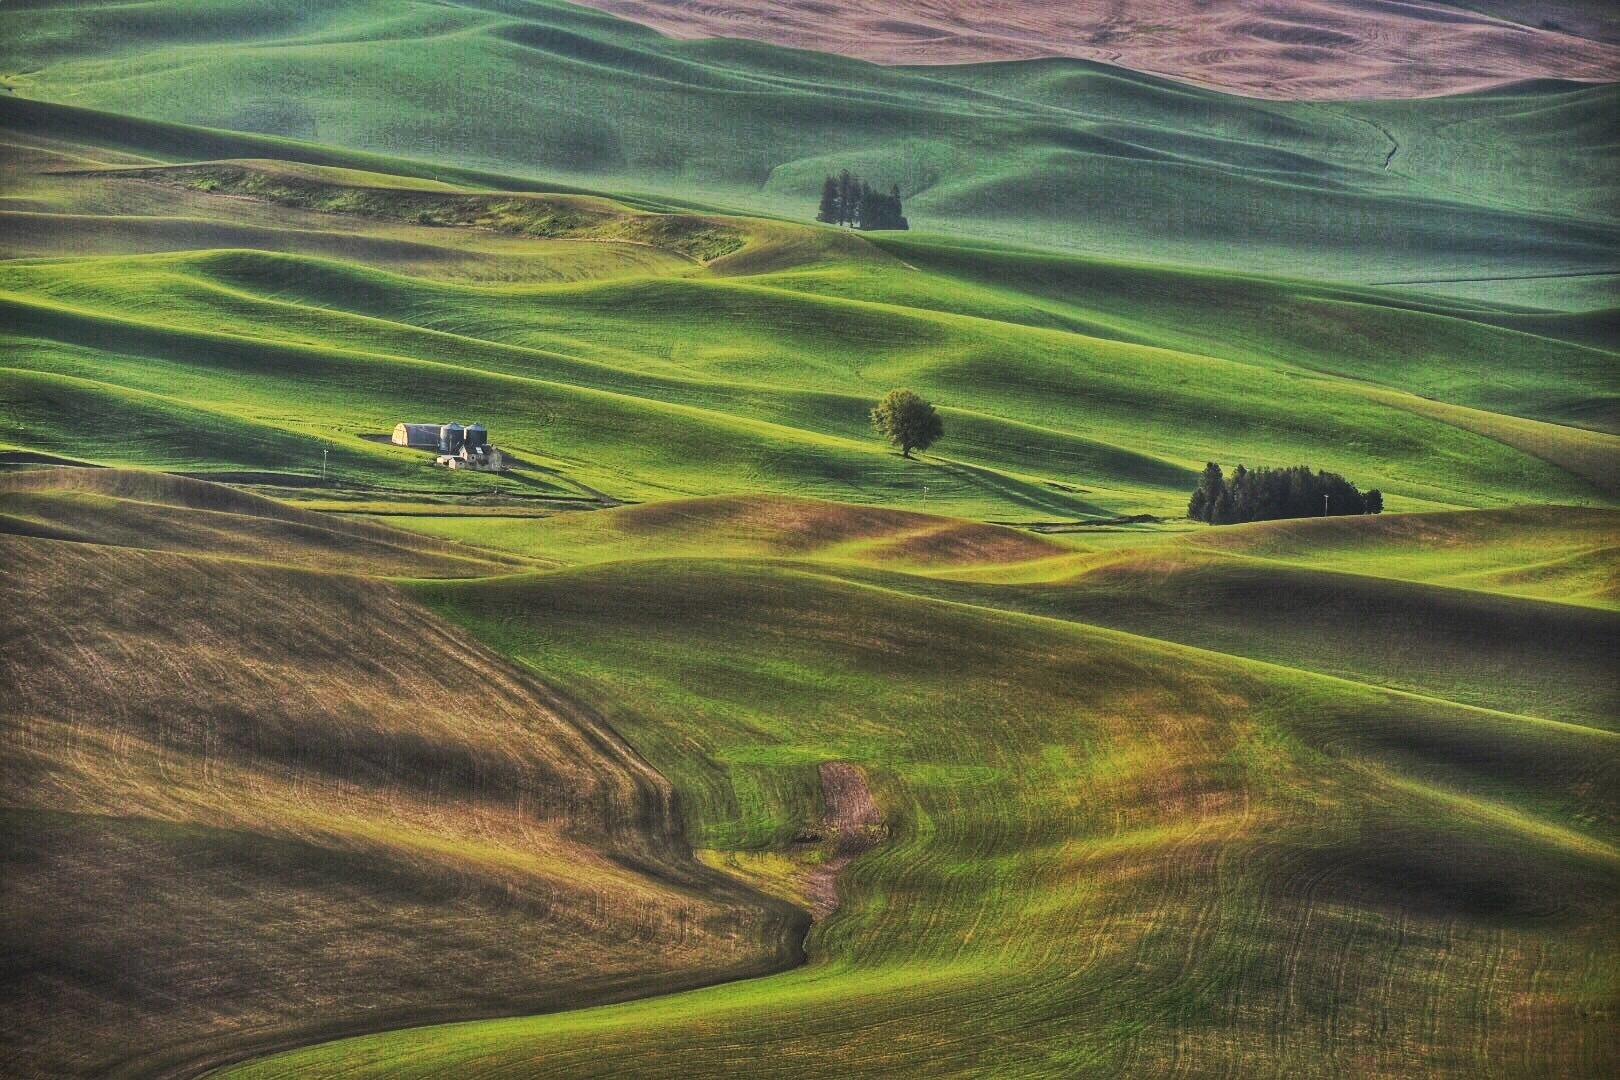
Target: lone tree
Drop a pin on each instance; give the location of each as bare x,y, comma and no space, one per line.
907,421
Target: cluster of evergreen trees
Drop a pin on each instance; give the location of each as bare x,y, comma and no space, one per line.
848,200
1267,494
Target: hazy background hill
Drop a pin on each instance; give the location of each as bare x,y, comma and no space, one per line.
1064,153
1284,49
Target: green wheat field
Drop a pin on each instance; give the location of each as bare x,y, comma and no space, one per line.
713,736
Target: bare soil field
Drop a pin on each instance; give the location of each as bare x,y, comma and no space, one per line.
1314,49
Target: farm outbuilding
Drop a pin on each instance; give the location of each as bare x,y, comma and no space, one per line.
458,446
421,436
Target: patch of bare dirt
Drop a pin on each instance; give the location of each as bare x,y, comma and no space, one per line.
856,825
1285,49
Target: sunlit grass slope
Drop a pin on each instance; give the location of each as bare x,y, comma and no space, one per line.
752,527
1515,654
1105,854
1459,605
1554,553
62,197
689,386
1557,367
246,804
1074,154
1561,553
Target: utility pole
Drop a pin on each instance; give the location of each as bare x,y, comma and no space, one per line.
1324,504
324,452
925,498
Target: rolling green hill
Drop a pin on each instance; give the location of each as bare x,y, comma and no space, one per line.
714,737
639,354
1097,850
1510,184
155,512
1103,853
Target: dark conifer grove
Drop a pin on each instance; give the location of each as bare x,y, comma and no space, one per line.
846,199
1265,494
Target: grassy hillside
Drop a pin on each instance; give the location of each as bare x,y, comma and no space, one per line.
1065,153
646,355
1069,784
1041,421
1098,850
1548,552
1522,622
262,804
1509,653
1103,853
750,527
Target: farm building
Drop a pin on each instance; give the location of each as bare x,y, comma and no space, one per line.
458,446
421,436
466,446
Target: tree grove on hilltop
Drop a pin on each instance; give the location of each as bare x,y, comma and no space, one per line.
907,421
1265,494
846,199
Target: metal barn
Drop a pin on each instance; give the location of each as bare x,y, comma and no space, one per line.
421,436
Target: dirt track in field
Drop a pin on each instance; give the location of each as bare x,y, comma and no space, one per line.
857,826
1312,49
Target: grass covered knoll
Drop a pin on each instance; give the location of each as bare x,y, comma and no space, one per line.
1510,653
1514,626
1105,854
1497,357
244,805
1562,553
752,527
709,384
64,196
572,217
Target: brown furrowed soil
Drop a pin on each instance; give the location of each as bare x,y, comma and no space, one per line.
1318,49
